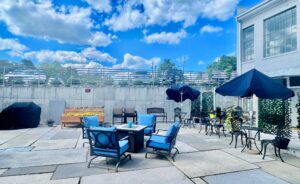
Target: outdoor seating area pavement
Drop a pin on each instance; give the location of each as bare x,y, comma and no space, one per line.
55,155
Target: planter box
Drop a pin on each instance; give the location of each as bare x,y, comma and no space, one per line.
73,115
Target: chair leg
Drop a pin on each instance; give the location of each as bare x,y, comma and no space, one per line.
91,161
242,139
275,150
224,132
176,152
231,139
280,155
265,150
236,137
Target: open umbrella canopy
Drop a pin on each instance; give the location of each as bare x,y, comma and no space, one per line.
255,82
180,93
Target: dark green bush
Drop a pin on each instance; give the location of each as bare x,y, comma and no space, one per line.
207,103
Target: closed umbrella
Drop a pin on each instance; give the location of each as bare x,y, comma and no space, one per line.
180,93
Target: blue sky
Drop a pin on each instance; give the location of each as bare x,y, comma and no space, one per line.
133,34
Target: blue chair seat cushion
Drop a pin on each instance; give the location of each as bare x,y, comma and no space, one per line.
148,130
160,142
124,146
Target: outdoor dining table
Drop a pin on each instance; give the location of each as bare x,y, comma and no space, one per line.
250,138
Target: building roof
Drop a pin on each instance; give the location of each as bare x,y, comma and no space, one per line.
266,4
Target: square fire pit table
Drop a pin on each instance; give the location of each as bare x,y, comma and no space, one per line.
136,136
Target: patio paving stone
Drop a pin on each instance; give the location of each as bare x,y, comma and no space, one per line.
77,170
6,135
211,144
248,155
29,170
138,161
2,171
36,179
23,140
64,134
198,181
282,170
204,163
245,177
39,158
184,148
289,159
21,149
55,144
148,176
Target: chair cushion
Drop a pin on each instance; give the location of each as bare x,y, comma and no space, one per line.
89,121
160,142
113,128
146,119
148,130
124,146
172,129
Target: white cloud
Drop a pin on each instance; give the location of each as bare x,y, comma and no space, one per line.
137,62
42,20
139,13
210,29
59,56
93,53
13,46
85,56
166,37
201,62
100,5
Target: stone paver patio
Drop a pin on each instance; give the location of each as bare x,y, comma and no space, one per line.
54,155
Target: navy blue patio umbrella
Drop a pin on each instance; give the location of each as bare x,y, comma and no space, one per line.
255,82
180,93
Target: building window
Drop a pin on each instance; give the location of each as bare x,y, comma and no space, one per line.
248,43
295,81
280,33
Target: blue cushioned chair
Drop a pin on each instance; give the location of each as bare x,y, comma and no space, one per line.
104,142
87,122
148,120
166,143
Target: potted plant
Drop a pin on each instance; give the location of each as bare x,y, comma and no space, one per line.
50,122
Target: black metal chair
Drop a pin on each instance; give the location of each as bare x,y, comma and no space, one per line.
278,143
177,114
158,112
118,113
236,131
130,113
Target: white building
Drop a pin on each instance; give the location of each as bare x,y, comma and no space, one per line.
268,39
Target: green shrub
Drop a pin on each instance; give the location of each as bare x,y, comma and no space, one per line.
274,117
207,103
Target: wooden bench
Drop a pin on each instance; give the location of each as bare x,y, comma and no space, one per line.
73,115
158,112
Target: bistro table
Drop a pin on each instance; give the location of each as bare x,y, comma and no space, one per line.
251,138
136,136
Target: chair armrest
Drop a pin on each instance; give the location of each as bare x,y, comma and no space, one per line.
160,130
124,138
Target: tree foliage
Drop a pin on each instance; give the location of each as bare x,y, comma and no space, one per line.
225,63
28,63
169,73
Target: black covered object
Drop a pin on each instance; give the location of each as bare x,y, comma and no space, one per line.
180,93
20,115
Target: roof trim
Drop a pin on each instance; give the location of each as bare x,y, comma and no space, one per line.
257,8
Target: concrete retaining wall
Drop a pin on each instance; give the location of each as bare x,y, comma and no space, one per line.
108,97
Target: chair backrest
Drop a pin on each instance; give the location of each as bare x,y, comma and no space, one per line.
155,110
103,139
172,132
130,111
87,122
146,119
236,123
118,111
177,111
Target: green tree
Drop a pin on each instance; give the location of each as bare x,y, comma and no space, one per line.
226,64
169,73
28,63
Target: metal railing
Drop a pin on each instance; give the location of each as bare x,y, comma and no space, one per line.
28,76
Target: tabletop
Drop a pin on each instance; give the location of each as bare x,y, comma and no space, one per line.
133,128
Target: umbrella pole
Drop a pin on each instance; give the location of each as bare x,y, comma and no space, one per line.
181,94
